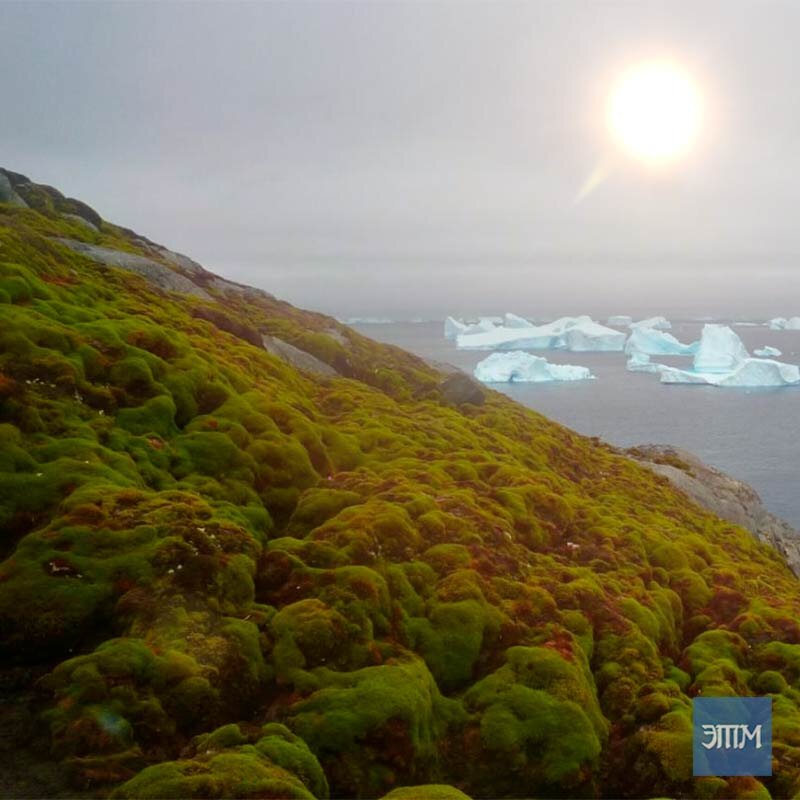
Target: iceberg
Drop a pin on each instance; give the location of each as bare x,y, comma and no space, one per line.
767,352
752,372
722,360
654,342
518,367
483,325
656,323
589,336
640,362
513,321
452,327
721,350
784,324
620,321
580,334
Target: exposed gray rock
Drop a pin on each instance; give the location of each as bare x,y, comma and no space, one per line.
179,260
7,193
84,223
459,388
723,495
338,336
214,281
297,357
157,273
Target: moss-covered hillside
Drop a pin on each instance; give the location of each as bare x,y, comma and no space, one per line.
224,576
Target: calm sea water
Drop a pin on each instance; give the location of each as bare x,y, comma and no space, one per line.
750,433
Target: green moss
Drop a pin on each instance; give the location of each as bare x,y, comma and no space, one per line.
204,541
426,792
228,775
398,700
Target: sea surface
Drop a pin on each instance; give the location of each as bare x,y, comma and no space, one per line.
753,434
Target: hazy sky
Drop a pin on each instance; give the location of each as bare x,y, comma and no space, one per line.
421,158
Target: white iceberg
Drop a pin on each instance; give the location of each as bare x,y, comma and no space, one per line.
513,321
767,352
518,367
752,372
584,335
656,323
483,325
580,334
452,327
784,324
640,362
657,343
721,350
620,321
722,360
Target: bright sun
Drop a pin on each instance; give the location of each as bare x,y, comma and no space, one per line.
655,111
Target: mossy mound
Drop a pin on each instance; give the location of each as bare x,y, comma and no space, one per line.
243,579
270,763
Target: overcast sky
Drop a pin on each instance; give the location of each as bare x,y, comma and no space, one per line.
417,159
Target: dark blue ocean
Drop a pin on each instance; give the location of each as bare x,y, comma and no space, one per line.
753,434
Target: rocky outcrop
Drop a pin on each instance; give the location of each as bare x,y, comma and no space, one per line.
84,223
46,198
296,357
7,193
459,388
165,268
154,271
723,495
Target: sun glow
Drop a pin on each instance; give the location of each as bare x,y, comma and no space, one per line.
655,111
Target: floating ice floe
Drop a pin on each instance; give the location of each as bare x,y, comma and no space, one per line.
620,321
640,362
656,323
580,334
784,324
657,343
723,360
753,372
518,367
483,325
453,326
513,321
767,352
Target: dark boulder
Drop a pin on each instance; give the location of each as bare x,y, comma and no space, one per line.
460,388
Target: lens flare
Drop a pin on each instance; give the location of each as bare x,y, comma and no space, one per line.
655,112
